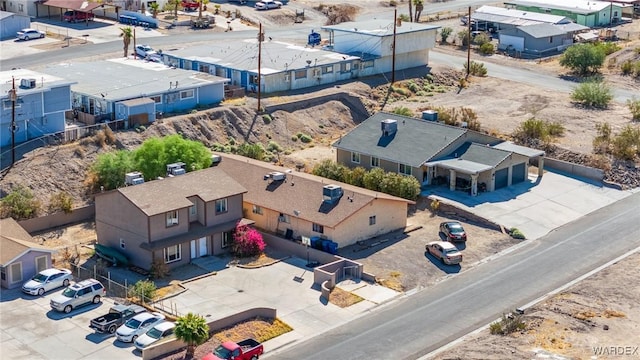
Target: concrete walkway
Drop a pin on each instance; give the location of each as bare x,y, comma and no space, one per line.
535,207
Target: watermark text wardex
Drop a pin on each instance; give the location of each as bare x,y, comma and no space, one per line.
616,350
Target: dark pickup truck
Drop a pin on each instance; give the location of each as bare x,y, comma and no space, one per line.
118,315
249,349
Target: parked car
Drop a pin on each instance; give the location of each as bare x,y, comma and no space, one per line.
82,293
268,4
147,52
453,231
77,16
190,5
138,325
249,349
28,34
159,331
117,315
47,280
445,251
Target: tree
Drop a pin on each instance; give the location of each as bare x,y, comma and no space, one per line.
373,179
193,330
201,3
444,34
247,241
331,170
463,36
419,7
254,151
154,6
19,204
110,168
176,3
153,156
126,33
583,59
145,290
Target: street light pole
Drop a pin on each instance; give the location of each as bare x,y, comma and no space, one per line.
14,97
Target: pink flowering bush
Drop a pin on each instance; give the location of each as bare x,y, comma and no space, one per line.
247,241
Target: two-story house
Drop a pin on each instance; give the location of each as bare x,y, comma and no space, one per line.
172,220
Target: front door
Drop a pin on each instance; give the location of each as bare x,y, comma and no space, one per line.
202,242
193,249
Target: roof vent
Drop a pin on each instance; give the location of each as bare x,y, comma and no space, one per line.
28,83
331,193
133,178
389,127
275,176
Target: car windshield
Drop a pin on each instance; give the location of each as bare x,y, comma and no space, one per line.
132,324
222,353
69,292
450,251
154,333
456,228
39,278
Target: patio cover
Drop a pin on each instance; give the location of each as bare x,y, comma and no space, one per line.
462,166
78,5
522,150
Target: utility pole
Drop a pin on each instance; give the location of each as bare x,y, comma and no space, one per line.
13,96
135,53
469,42
393,56
259,80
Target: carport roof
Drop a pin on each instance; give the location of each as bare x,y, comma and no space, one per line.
461,165
518,149
514,16
538,31
378,27
79,5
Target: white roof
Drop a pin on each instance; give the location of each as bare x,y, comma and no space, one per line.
580,6
510,15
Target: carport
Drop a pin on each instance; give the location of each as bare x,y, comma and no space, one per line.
519,171
460,166
60,6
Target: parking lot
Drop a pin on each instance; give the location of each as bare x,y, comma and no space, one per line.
30,329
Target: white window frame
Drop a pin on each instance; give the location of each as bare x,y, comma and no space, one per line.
227,239
224,207
400,168
156,98
327,69
7,104
317,228
284,218
355,157
122,244
375,163
172,218
46,263
177,253
193,210
184,94
301,74
13,273
257,209
372,220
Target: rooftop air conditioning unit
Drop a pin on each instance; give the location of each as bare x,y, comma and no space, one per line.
176,169
133,178
275,176
215,160
28,83
331,193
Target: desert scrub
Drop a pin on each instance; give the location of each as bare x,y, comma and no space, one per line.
304,137
516,233
509,323
593,94
266,119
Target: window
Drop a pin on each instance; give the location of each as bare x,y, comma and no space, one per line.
372,220
204,68
345,67
16,272
550,39
172,253
221,206
41,263
327,69
187,94
404,169
227,239
301,74
318,228
284,218
121,243
366,64
193,210
20,7
172,218
355,158
253,79
157,99
375,162
257,210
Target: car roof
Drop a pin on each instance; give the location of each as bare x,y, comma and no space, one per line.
165,325
443,244
28,29
49,272
85,283
143,316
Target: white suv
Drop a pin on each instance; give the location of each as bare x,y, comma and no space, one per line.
82,293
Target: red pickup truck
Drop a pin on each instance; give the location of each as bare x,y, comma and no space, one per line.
248,349
190,5
77,16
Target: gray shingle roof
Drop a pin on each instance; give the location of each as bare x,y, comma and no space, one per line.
483,154
415,142
160,196
542,30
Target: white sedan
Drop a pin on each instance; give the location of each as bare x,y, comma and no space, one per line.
28,34
138,325
47,280
144,50
154,334
268,4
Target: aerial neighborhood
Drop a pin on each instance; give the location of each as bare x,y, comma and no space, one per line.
249,179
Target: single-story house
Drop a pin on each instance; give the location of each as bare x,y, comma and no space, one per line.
40,105
55,8
296,204
172,220
11,23
539,39
21,258
589,13
103,89
496,18
436,153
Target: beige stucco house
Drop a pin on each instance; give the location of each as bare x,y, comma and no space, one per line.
296,204
436,153
172,220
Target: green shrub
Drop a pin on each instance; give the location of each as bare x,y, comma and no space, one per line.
144,290
445,33
516,234
602,141
626,144
19,204
592,93
273,146
634,107
463,37
476,69
627,67
403,111
61,201
608,47
434,205
306,138
266,118
508,324
487,49
481,39
254,151
294,138
554,128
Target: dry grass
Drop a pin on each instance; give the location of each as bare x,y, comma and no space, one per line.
584,315
235,102
343,298
393,282
167,290
551,338
268,257
259,328
613,313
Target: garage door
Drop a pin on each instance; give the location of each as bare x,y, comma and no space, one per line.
515,41
502,178
518,173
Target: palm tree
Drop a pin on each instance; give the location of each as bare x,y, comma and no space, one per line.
176,3
154,6
126,34
202,2
410,11
193,330
419,7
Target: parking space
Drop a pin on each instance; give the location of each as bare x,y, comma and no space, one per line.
29,329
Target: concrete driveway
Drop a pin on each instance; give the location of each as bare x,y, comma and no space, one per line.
535,207
29,329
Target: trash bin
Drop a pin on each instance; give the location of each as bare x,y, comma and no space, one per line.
333,247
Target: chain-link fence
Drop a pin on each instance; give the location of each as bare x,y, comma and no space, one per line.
114,288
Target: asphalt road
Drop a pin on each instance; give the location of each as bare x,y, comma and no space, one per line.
423,322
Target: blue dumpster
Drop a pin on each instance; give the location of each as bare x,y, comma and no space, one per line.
325,245
314,241
333,247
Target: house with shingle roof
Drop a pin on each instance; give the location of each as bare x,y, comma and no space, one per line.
436,153
172,220
297,204
21,258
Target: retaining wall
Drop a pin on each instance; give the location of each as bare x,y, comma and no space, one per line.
571,168
297,249
58,219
